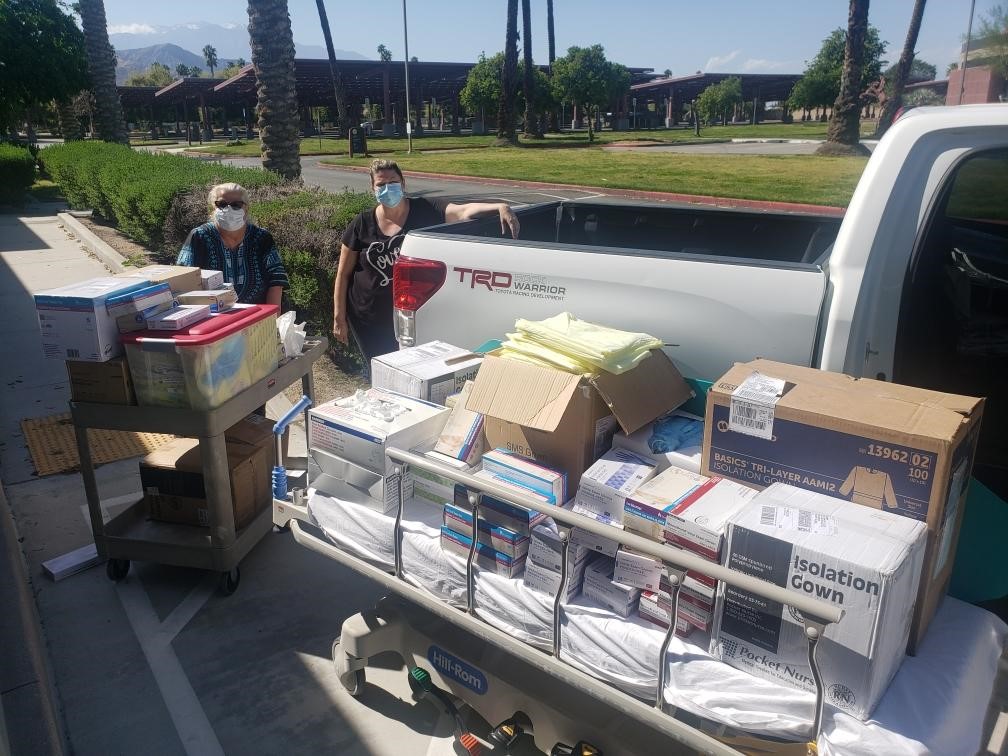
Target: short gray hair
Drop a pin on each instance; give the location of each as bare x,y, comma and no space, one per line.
218,191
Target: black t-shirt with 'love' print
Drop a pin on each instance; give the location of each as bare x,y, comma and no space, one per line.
370,295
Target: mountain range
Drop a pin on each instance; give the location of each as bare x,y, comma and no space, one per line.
135,43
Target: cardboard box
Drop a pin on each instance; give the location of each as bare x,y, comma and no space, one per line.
592,542
546,550
358,433
172,481
523,472
432,487
336,477
178,277
486,558
74,322
137,321
544,580
687,458
637,570
211,279
648,608
605,485
431,371
179,317
217,300
566,421
103,382
508,542
698,522
138,300
600,586
863,560
462,438
503,513
895,448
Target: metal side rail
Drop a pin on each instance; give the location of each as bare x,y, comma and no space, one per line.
816,614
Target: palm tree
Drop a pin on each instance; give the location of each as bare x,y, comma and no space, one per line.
531,122
506,112
902,70
183,70
210,56
69,124
273,59
554,122
337,78
101,66
843,135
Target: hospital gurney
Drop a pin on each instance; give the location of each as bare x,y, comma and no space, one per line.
500,676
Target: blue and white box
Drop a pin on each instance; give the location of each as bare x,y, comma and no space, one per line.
506,541
138,300
524,472
606,484
137,321
486,557
75,321
504,513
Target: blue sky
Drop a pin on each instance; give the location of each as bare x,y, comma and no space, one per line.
683,35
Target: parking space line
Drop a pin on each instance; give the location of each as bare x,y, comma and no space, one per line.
996,743
191,722
174,623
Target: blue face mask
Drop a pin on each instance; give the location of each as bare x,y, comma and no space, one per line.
389,195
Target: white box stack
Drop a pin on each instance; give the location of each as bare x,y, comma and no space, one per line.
862,560
431,371
605,485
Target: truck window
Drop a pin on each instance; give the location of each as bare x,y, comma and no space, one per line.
953,328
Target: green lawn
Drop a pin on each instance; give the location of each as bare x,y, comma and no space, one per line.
786,178
44,190
378,145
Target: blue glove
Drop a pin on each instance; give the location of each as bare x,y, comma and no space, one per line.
675,432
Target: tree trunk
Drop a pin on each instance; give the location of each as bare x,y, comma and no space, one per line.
69,124
109,124
273,60
554,122
506,111
339,90
531,122
844,130
895,100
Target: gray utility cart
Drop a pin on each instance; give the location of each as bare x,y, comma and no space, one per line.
131,535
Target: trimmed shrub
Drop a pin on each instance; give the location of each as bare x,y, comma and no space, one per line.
135,189
17,172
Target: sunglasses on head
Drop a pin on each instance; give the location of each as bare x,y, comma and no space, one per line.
236,205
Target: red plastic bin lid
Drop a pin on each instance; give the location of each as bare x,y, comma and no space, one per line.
218,326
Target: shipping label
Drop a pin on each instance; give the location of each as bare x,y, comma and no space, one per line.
891,477
752,405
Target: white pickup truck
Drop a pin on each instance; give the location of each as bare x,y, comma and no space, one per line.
910,286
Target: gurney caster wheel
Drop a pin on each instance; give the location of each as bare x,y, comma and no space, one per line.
229,581
354,682
117,569
351,679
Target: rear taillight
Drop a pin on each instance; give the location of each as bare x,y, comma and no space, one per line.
415,281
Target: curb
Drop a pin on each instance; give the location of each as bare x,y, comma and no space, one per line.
87,239
34,725
692,199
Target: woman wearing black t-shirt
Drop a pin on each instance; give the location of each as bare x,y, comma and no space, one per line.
362,295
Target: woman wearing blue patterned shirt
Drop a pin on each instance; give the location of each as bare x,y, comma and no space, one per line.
245,253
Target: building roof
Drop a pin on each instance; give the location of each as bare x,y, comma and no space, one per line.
767,87
189,88
133,97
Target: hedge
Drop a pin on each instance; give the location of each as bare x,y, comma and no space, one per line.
135,189
17,172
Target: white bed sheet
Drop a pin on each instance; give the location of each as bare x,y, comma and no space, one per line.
936,703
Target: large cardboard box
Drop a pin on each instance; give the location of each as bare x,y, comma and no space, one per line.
864,561
75,323
566,421
102,382
178,277
431,372
895,448
172,481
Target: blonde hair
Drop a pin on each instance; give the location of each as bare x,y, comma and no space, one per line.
383,164
218,191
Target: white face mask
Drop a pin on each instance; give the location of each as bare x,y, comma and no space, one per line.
229,219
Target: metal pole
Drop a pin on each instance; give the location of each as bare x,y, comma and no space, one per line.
409,128
965,60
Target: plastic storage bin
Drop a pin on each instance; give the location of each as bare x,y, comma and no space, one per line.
203,366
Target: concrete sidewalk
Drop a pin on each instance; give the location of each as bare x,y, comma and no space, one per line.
161,663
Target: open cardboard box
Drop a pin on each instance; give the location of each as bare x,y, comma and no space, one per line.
566,421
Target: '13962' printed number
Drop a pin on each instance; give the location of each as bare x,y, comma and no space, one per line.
899,455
